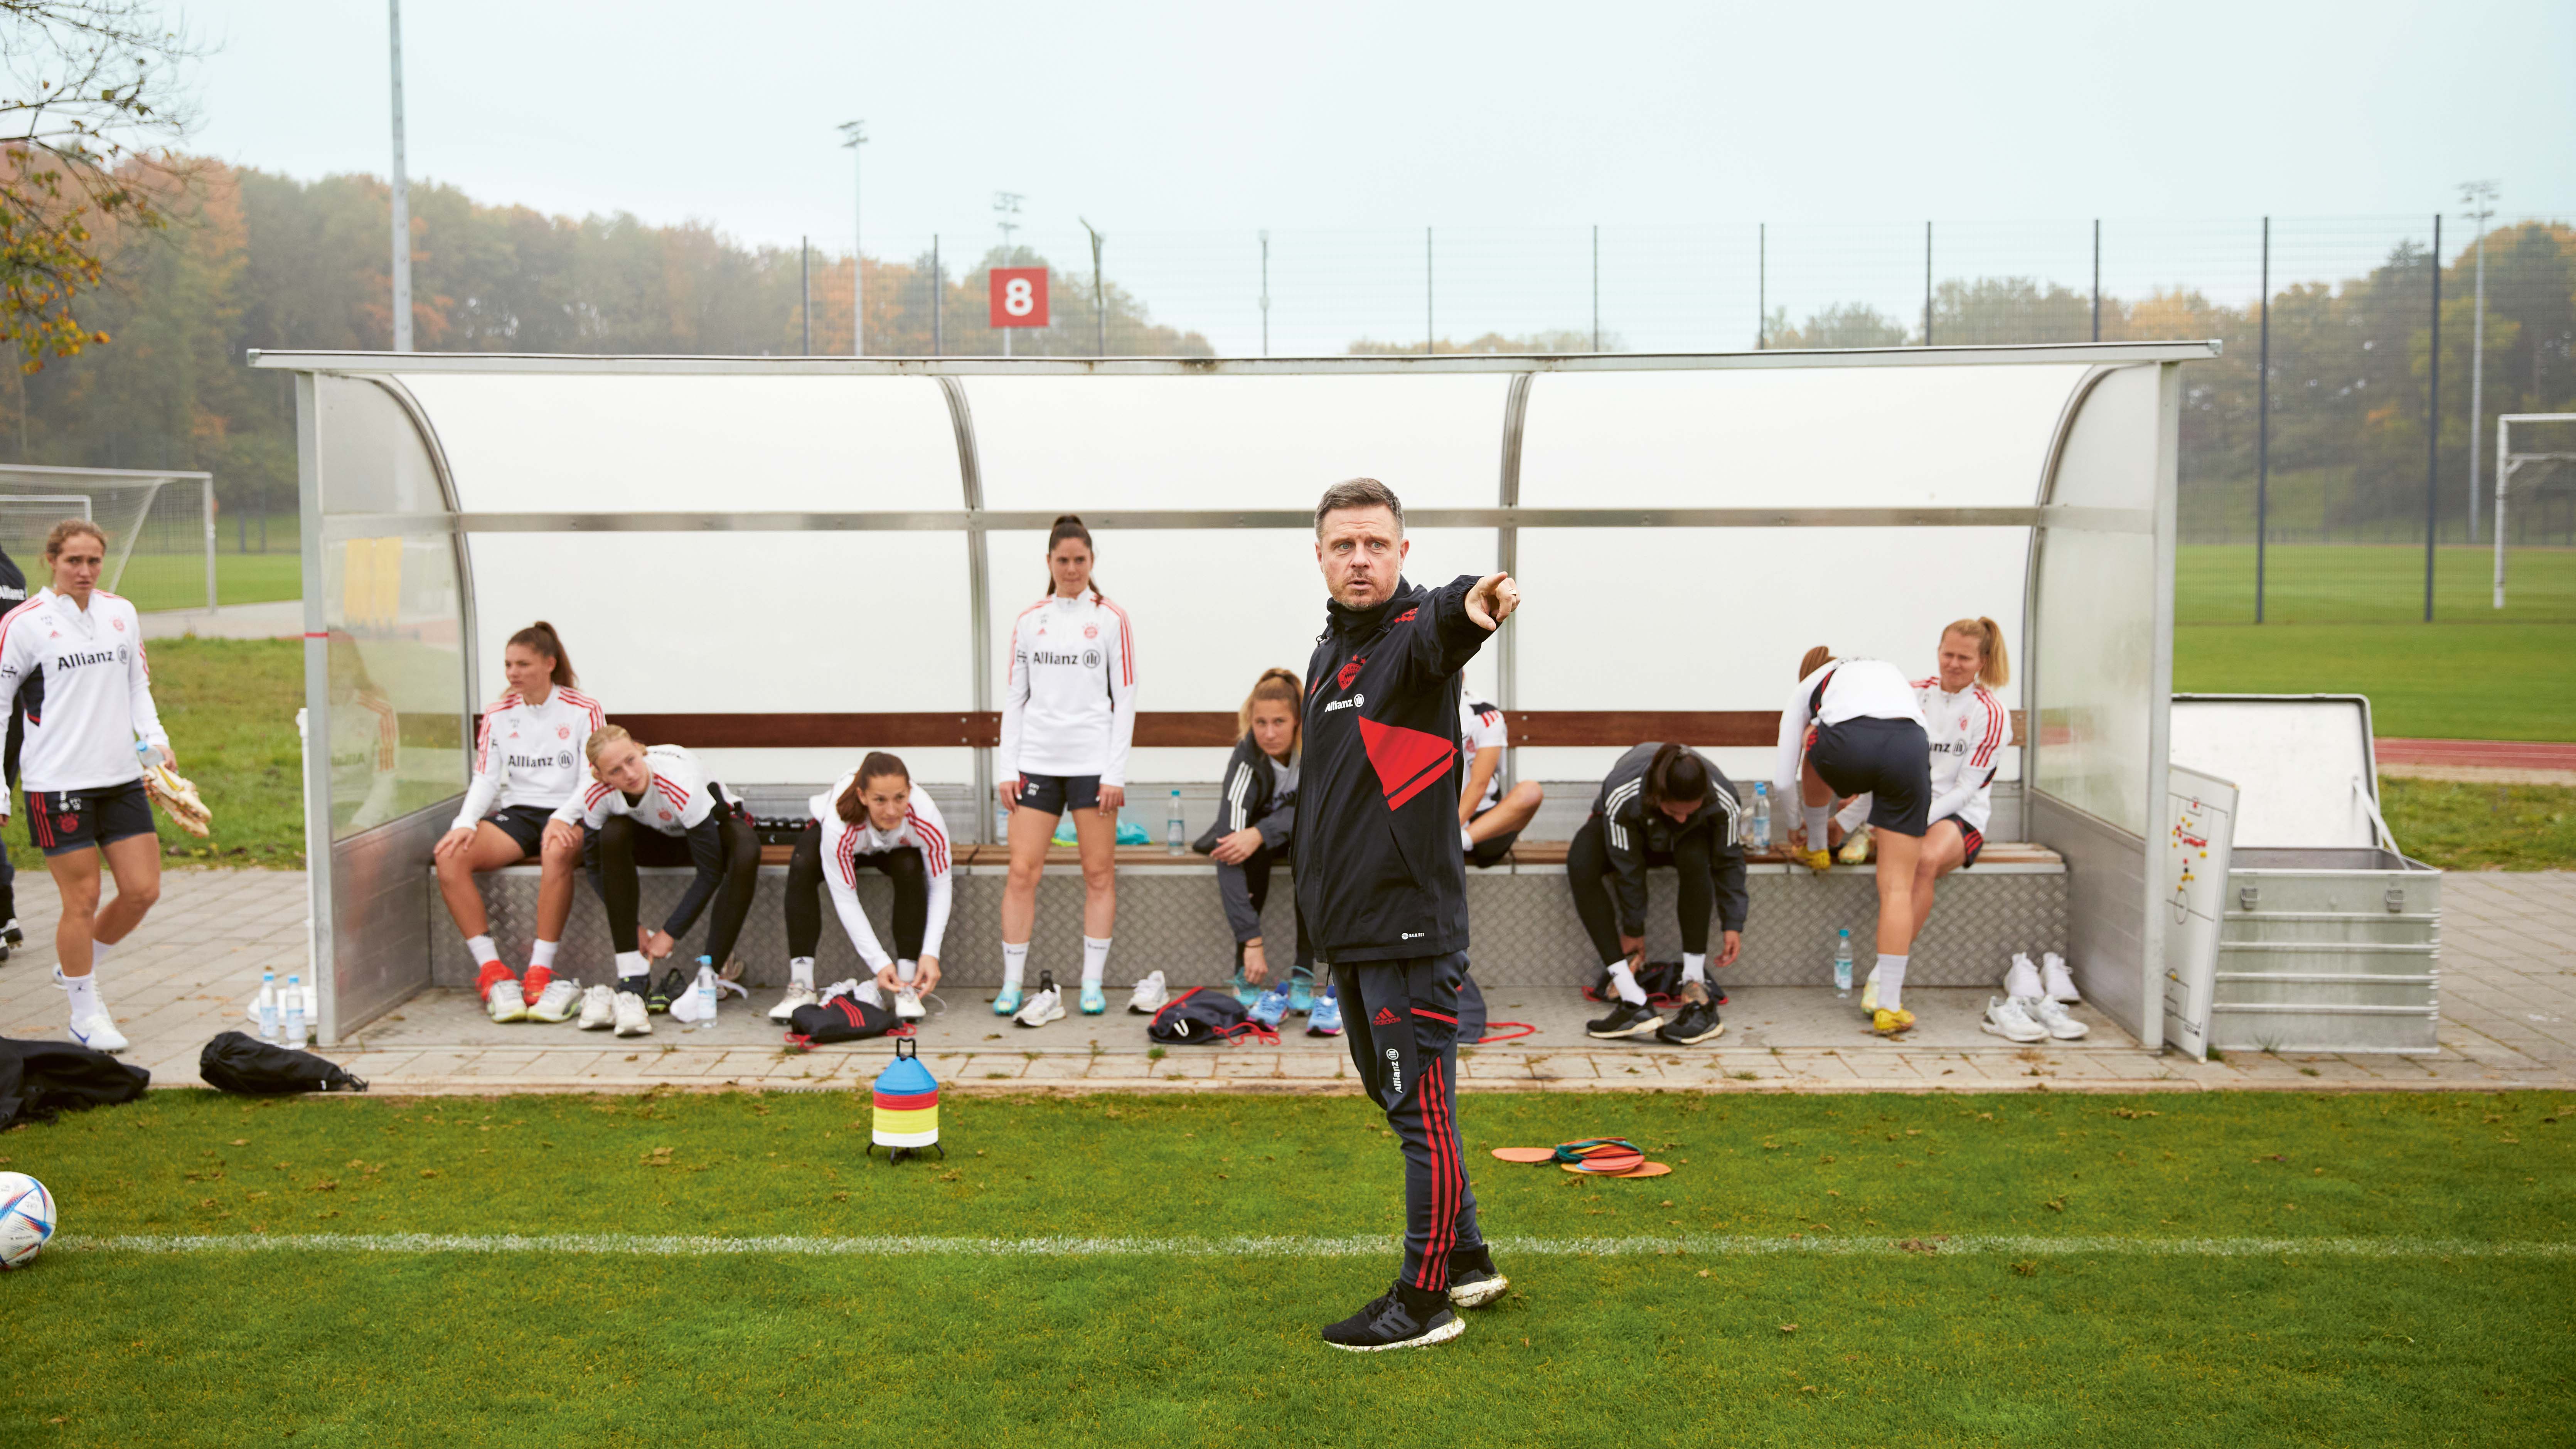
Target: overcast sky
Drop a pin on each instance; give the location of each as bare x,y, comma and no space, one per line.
1160,119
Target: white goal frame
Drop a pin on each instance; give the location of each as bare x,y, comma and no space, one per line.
2506,462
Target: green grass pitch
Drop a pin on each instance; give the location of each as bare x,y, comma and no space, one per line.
2045,1269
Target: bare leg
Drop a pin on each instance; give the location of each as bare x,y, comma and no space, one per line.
554,888
1030,832
491,849
135,861
1096,832
1514,811
75,875
1944,850
1898,856
1813,790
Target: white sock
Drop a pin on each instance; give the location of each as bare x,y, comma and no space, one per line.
631,966
84,994
1695,968
482,948
543,954
1626,982
800,971
1891,982
99,951
1015,963
904,971
2023,979
1095,960
1819,826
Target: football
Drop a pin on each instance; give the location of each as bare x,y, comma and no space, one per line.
26,1219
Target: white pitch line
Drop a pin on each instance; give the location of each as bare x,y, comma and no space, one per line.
1694,1244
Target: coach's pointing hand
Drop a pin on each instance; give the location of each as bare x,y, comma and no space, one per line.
1492,600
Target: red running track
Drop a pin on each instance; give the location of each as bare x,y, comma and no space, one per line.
2492,754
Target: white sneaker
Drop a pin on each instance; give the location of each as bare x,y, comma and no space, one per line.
506,1001
2060,1023
557,1001
907,1005
1151,995
632,1018
2061,982
99,1034
2006,1018
598,1008
1046,1006
2022,978
797,994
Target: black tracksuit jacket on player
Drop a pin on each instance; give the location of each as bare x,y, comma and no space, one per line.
1380,873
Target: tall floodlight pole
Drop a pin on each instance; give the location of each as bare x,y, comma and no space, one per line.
402,194
1265,292
1099,298
2433,425
1006,206
854,134
1927,284
2479,198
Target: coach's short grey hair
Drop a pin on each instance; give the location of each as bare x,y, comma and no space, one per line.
1359,493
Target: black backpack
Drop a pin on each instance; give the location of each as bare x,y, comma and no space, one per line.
842,1018
1201,1017
235,1062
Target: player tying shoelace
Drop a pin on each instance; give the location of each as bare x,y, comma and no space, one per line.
871,819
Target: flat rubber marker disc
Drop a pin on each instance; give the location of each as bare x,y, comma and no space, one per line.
1637,1169
1526,1154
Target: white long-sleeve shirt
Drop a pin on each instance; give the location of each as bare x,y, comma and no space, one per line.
922,829
1070,708
1968,731
1842,689
677,797
531,754
97,696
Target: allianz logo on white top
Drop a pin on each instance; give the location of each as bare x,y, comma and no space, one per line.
1354,702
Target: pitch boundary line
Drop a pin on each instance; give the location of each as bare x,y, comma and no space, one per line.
1687,1244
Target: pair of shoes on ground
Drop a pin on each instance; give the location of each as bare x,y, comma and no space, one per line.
907,1002
605,1007
1693,1021
1408,1317
1047,1002
506,997
1293,997
2033,1006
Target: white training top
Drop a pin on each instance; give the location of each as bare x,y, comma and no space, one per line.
531,754
678,796
1968,731
1481,727
97,695
1071,705
922,829
1841,689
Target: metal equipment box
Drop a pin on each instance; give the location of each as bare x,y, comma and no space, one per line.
2332,935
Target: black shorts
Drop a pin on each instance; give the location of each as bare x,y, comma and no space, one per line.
1974,840
524,824
1889,760
64,820
1491,852
1055,794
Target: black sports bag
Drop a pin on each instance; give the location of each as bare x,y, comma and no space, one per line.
843,1018
235,1062
1201,1017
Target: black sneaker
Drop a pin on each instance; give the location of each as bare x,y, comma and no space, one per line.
1696,1022
1401,1317
673,985
10,932
1475,1282
1625,1020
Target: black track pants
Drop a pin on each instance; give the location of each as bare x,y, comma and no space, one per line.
805,894
618,847
1244,889
1587,871
1401,1018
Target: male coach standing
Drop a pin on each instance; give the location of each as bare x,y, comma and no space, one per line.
1382,880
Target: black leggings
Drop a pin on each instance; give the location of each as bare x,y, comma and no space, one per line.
805,894
1587,870
621,846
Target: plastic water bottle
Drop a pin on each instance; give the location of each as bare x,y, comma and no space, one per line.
1761,835
268,1028
293,1026
707,993
1842,961
1173,843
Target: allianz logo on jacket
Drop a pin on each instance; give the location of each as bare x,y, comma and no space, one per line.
562,761
93,656
1354,702
1088,658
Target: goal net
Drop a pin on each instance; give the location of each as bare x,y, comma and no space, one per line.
30,507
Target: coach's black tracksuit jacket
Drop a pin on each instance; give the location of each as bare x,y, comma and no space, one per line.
1380,872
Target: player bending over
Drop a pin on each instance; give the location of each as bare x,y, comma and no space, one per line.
1490,818
525,801
1067,720
1255,827
657,807
78,651
871,819
1661,804
1859,730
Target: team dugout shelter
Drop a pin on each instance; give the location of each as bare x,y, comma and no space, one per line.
784,562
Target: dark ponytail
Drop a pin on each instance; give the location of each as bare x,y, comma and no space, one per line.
1675,773
1070,526
541,637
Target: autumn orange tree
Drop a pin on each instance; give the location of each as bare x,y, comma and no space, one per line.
86,101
